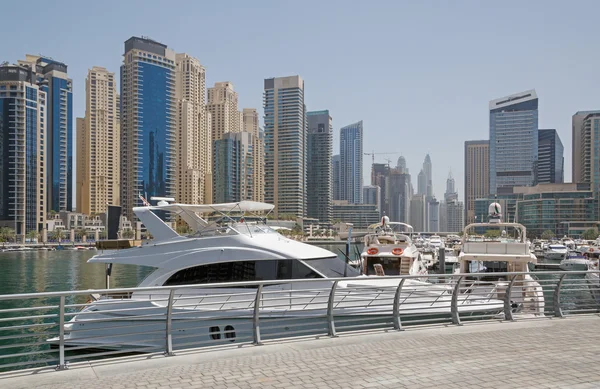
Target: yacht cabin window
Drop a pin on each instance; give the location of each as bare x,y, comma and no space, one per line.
262,270
390,265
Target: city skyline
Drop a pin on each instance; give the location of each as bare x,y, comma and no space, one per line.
462,115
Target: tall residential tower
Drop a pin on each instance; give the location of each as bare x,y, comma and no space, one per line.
550,167
148,122
477,173
319,170
285,145
250,125
98,141
351,162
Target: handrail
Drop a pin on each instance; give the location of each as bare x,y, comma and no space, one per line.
213,315
223,285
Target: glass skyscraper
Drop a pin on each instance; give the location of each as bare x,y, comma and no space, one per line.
285,145
52,78
23,119
550,168
351,163
319,170
513,141
147,121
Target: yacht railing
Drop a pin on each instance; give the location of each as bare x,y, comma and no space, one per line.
236,314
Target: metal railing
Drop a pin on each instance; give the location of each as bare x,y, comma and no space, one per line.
53,329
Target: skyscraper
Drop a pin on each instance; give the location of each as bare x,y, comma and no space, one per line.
589,154
193,132
285,145
418,213
450,193
477,175
380,173
233,165
98,145
455,216
250,125
372,195
52,78
398,194
433,214
351,165
23,104
513,141
223,107
335,173
319,170
427,169
422,183
148,122
550,167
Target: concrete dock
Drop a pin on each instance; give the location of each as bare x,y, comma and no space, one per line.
539,353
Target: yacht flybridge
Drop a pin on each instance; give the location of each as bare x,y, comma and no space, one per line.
233,249
509,252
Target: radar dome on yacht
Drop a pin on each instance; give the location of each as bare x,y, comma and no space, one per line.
385,220
495,209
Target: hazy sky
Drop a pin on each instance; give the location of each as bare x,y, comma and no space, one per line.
420,73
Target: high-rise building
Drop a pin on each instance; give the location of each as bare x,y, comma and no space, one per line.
52,78
23,129
250,125
319,170
433,215
379,177
98,145
398,194
351,165
550,167
335,177
589,150
418,213
422,183
477,175
372,195
577,125
513,141
193,174
401,165
455,215
148,122
285,145
450,193
428,170
223,107
233,164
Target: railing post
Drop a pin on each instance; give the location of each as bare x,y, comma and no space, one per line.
330,318
397,321
256,316
62,365
169,346
508,314
556,300
454,304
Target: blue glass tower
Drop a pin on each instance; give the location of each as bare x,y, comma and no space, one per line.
22,166
51,76
513,141
351,163
550,169
147,121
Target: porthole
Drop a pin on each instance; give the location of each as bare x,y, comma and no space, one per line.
215,333
229,333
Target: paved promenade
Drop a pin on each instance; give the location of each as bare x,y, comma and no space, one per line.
543,353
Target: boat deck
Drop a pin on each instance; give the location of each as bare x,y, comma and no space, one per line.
544,353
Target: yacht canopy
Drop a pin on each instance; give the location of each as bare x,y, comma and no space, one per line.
242,206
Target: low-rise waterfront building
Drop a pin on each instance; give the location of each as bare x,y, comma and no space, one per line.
360,215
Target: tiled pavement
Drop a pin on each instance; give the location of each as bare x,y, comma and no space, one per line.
543,353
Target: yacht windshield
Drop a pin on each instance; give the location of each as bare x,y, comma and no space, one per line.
331,267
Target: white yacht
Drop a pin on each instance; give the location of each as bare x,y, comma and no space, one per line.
390,252
451,264
235,250
506,254
575,262
556,252
435,241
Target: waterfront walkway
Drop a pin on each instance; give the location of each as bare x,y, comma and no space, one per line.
540,353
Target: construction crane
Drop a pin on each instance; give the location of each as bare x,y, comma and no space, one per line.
373,154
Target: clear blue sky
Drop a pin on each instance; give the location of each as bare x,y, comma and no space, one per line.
420,73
